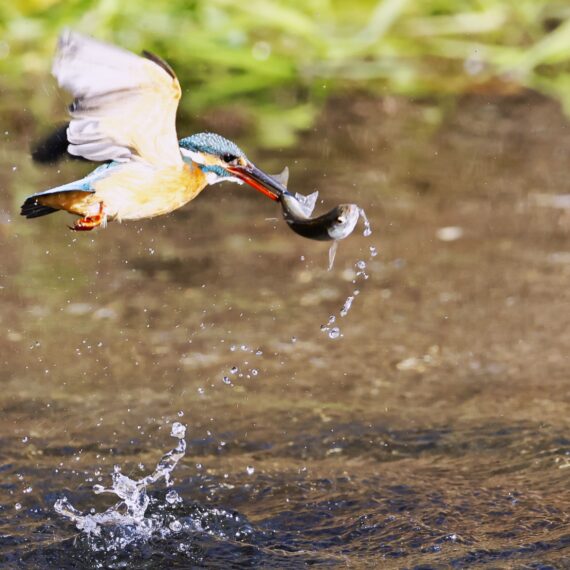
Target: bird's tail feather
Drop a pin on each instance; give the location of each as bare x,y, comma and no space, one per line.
31,208
54,199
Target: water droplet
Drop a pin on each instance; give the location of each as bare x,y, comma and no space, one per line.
367,228
346,306
293,339
175,526
226,380
172,497
234,369
361,264
373,251
28,490
334,332
258,352
254,372
25,439
250,470
201,391
17,506
180,413
178,430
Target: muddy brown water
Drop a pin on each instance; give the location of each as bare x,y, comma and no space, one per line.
432,434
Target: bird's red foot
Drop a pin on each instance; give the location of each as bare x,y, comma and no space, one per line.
91,222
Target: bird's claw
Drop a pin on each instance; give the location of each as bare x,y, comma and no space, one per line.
89,223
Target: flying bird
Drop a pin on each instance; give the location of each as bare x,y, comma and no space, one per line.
123,114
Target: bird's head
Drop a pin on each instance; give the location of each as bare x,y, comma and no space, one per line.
222,160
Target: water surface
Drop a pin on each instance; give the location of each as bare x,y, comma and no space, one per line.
431,432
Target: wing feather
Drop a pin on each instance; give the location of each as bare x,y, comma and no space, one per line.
124,105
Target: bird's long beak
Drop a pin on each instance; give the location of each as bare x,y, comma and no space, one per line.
257,179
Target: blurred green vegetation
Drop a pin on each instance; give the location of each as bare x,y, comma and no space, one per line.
274,62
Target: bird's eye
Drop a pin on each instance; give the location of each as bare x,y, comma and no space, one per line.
229,158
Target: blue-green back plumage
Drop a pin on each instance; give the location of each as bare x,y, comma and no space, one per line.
84,184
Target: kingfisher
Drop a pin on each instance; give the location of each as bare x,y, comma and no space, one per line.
123,115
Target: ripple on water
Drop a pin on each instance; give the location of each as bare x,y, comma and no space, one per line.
408,501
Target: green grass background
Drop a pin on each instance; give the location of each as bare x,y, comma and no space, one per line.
275,62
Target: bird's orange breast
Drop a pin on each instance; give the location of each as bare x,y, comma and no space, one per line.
137,190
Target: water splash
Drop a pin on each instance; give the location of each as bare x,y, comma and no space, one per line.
127,517
138,517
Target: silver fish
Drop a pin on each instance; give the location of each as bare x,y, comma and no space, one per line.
336,224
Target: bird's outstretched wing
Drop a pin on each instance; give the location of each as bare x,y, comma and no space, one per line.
125,105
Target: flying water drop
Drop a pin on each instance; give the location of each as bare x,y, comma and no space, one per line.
334,333
367,227
346,306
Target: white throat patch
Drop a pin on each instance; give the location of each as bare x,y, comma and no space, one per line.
193,156
213,178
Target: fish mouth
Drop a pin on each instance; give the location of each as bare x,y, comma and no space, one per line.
259,180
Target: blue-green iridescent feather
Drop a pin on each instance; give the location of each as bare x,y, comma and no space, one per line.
210,143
